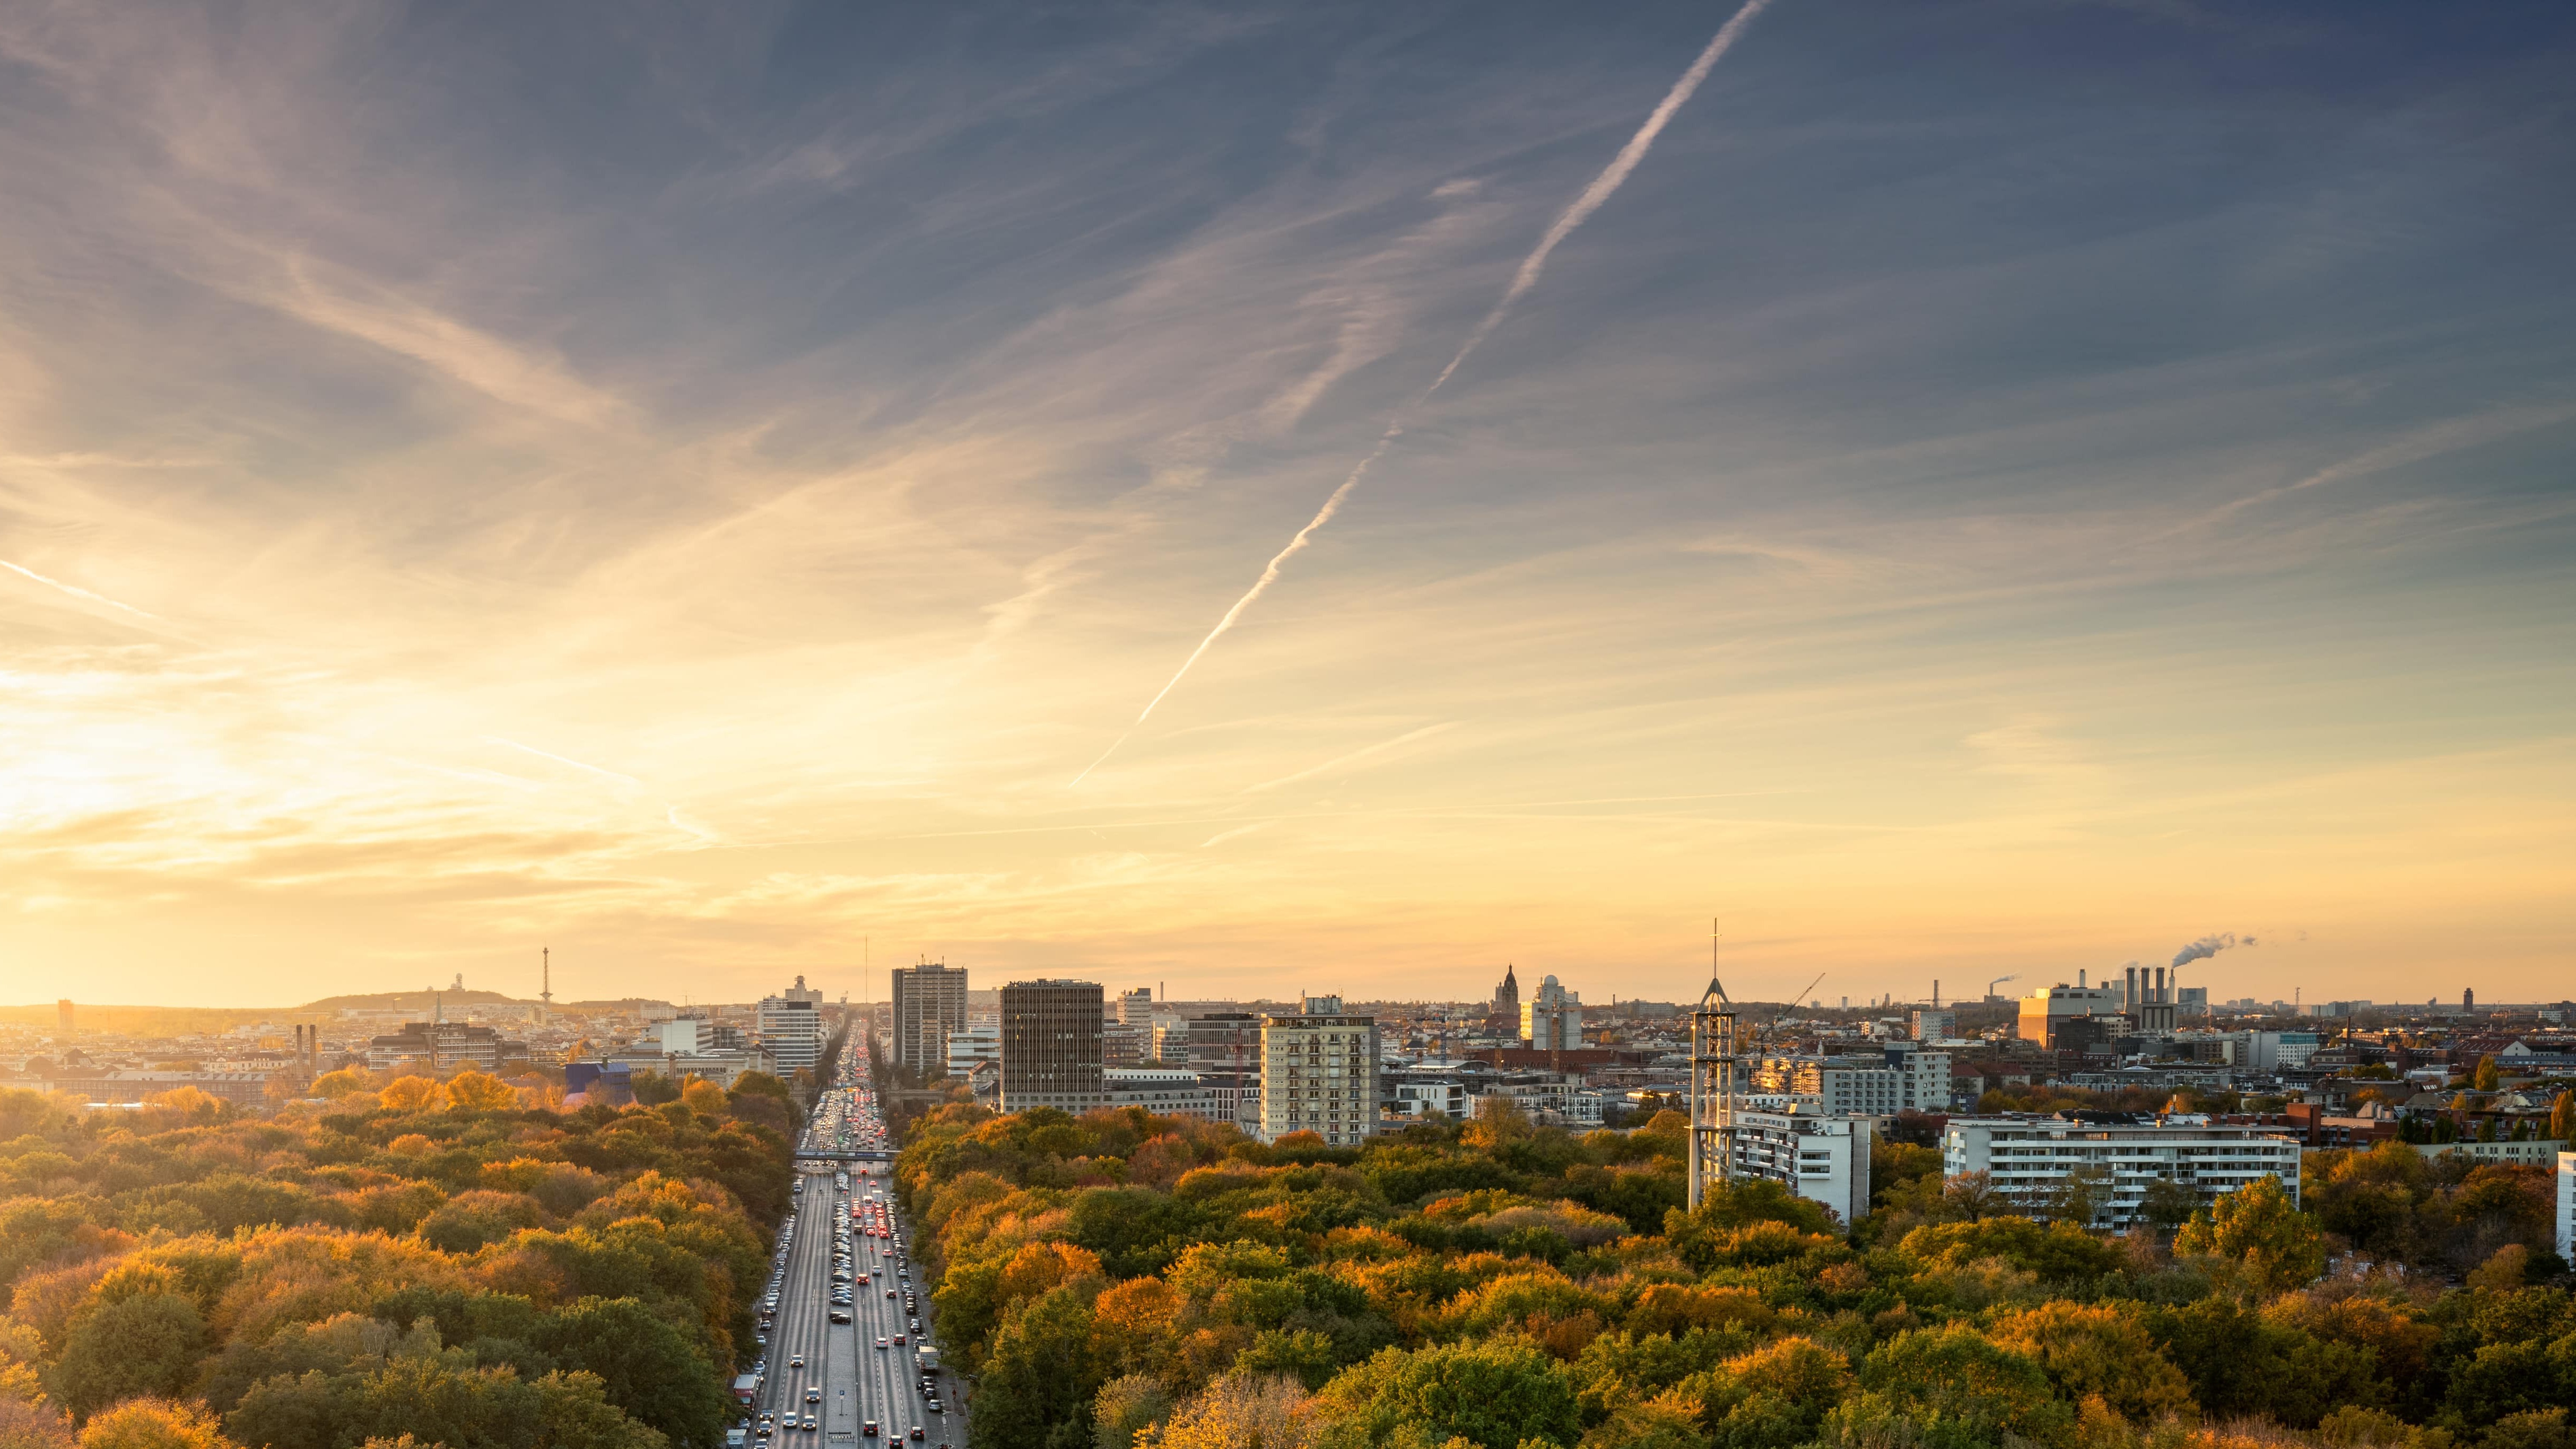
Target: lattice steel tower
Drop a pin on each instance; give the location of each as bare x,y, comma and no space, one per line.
1712,1083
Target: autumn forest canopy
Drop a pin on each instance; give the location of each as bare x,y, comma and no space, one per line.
407,1262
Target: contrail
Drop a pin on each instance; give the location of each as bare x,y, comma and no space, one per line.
75,590
1524,279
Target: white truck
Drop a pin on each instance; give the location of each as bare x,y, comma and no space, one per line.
929,1358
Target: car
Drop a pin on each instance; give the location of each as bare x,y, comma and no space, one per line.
898,1340
813,1395
889,1293
916,1431
871,1429
840,1315
881,1342
806,1423
798,1361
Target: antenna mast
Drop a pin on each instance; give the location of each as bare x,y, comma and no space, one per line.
1712,1125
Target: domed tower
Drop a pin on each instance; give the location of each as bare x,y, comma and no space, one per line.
1507,1000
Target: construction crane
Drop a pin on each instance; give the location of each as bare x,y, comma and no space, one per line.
1801,996
2000,980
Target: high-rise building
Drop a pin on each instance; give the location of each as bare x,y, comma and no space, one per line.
928,1005
63,1018
1552,1019
790,1027
1224,1048
1051,1045
1128,1035
1319,1073
2468,1003
1932,1023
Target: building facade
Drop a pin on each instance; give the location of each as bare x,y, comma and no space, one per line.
1932,1023
1552,1018
1051,1045
2029,1158
1319,1073
1819,1156
2046,1012
790,1027
928,1006
1165,1091
972,1047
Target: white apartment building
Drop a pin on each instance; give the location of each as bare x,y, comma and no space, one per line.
790,1026
1819,1156
1922,1077
1559,1102
979,1043
1165,1091
1932,1023
1834,1085
2027,1157
1319,1073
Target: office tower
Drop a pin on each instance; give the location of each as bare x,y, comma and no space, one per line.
1319,1073
928,1006
1051,1045
1552,1019
63,1018
790,1026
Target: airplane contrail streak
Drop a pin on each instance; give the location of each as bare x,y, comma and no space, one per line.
1525,278
75,590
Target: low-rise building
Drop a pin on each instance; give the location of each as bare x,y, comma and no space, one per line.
975,1044
1165,1091
2028,1158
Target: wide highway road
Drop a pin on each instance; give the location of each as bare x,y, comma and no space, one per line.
844,1223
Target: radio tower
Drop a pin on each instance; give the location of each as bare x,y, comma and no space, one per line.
545,981
1712,1107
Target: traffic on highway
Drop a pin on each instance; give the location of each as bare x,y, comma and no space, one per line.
845,1349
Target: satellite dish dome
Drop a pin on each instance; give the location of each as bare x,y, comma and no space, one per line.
1551,981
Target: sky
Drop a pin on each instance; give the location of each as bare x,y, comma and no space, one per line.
2000,488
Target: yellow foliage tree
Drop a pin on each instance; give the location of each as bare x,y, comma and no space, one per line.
471,1091
412,1094
154,1424
704,1098
2097,1350
346,1082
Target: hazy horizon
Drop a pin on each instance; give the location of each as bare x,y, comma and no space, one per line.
1991,490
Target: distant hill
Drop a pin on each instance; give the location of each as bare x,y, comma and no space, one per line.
407,1001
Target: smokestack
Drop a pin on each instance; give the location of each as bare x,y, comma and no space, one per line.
2079,978
2160,985
2129,990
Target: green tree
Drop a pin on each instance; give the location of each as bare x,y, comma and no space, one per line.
2081,1195
574,1413
2167,1204
647,1367
1951,1379
1125,1407
144,1345
1039,1380
1499,1393
2258,1229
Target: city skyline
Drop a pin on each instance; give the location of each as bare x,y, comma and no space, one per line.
1980,493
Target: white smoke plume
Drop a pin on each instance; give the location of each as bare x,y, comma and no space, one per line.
1522,280
2211,945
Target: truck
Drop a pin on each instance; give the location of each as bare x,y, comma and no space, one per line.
746,1387
929,1358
